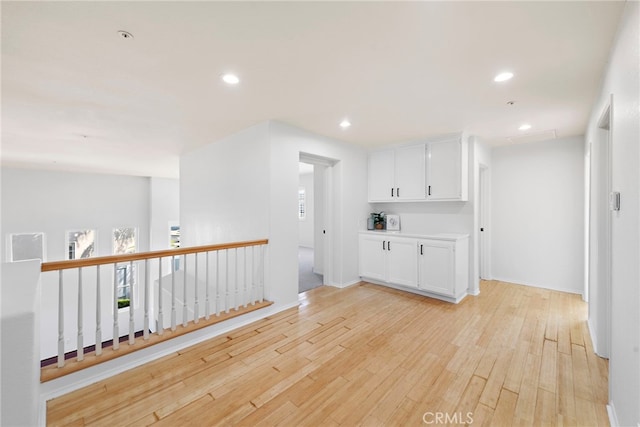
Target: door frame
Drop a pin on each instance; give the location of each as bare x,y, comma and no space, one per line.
484,253
328,226
603,227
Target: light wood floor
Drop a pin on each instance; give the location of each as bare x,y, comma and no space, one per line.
369,355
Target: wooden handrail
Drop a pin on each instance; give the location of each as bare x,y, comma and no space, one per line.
112,259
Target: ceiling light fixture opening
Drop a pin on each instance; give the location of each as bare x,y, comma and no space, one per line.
524,126
125,35
345,124
503,77
231,79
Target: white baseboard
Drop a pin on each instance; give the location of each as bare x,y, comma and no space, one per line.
345,285
85,377
536,285
613,418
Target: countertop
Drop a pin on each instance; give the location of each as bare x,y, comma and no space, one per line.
437,236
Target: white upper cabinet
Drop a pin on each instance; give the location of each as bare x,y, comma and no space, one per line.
397,174
447,170
410,172
381,175
433,170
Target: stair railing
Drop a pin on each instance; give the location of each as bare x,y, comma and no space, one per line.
228,276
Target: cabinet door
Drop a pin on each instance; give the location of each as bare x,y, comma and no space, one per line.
444,170
381,175
372,256
436,260
402,262
410,172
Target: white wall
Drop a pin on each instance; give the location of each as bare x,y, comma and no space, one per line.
224,189
622,79
164,209
538,214
305,226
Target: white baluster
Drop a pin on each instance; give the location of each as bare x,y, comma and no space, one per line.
184,293
207,304
98,314
237,281
261,275
116,329
196,308
145,332
60,321
253,275
226,286
173,293
218,305
160,313
132,329
245,296
80,341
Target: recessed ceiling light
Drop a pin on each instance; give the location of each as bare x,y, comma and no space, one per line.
503,77
345,124
525,126
231,79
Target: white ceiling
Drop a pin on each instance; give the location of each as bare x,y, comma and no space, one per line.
76,96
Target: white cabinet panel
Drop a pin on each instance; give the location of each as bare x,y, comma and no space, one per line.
372,256
381,175
447,172
410,172
389,259
402,263
436,266
397,174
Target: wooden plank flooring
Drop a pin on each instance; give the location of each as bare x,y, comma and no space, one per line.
369,355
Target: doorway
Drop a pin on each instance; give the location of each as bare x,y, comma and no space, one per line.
315,261
483,246
600,235
309,275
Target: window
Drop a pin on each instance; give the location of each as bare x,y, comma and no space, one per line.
124,242
174,236
81,244
26,246
302,204
125,274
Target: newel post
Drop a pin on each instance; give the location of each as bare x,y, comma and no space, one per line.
20,332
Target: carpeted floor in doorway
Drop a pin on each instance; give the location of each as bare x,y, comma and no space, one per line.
307,279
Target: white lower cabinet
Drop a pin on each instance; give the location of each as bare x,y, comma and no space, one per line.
389,259
436,266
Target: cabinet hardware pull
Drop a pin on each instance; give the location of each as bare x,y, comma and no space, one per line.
421,250
391,191
429,190
398,192
389,245
384,245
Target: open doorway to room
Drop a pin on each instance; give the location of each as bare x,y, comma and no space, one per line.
309,208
